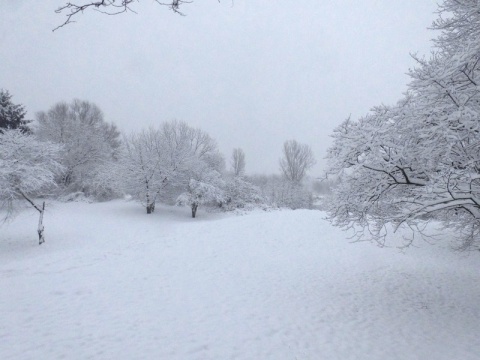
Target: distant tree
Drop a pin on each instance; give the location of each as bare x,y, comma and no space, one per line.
297,160
278,191
238,162
202,163
241,194
323,185
163,161
204,191
87,140
143,172
27,166
185,144
109,7
293,195
190,152
12,116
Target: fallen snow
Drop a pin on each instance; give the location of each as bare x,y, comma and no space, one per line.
113,283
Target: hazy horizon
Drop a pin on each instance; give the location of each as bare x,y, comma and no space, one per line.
252,75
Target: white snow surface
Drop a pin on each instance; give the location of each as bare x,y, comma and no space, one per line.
114,283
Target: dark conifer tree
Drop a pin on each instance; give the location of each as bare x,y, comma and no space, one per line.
12,116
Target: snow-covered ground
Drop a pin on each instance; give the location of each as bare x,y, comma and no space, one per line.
113,283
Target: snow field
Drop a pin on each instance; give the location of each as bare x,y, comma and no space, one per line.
113,283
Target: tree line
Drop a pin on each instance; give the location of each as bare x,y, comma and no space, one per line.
71,151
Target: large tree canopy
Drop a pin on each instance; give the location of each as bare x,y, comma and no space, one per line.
167,157
88,141
419,160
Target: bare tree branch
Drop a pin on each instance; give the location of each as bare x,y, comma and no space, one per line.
109,7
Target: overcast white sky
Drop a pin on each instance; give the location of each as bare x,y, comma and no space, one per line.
251,73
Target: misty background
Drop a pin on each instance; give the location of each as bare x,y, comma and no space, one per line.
251,74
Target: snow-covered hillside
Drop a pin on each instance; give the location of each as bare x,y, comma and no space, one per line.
113,283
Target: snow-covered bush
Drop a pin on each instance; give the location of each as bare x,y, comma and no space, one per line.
280,192
104,183
241,194
294,195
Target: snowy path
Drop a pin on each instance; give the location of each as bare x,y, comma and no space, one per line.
113,283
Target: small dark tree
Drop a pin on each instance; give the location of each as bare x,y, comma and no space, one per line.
12,116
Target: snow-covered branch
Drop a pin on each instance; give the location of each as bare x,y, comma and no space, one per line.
419,159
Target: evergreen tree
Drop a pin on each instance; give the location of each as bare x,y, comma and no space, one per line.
12,116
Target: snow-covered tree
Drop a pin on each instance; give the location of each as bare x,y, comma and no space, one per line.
159,163
420,159
27,166
143,172
184,147
241,193
88,142
190,154
293,195
208,190
459,23
296,161
238,162
12,116
281,192
198,163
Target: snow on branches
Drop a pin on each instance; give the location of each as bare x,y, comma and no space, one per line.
420,159
27,166
209,190
142,173
108,7
89,143
167,158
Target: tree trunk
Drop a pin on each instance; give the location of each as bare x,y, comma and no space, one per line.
150,208
40,229
67,178
41,210
194,210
